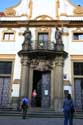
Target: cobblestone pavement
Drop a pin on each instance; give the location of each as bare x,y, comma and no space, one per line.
35,121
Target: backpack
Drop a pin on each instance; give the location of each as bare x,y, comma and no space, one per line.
25,101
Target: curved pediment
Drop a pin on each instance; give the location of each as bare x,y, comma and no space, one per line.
43,17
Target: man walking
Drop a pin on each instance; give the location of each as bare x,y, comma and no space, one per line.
25,104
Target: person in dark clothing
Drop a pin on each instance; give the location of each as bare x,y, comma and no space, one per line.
25,104
68,108
33,101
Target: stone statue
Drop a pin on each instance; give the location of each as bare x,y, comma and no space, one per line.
27,35
58,36
27,39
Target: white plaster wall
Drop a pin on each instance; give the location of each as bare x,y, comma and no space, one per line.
66,7
18,47
67,61
75,47
40,7
10,47
43,7
69,88
17,68
67,68
22,8
13,48
15,92
53,34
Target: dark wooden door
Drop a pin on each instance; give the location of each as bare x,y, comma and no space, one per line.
4,91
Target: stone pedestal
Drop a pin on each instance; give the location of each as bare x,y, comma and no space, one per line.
58,84
59,47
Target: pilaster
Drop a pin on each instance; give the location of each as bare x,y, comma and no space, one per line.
58,84
24,85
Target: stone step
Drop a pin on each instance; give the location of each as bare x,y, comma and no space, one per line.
38,113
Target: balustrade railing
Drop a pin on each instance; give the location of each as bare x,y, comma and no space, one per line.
44,45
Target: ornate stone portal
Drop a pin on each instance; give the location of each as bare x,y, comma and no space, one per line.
49,67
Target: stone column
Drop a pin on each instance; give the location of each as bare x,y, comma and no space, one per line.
58,84
24,85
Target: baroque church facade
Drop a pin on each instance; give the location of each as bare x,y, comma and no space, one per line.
41,49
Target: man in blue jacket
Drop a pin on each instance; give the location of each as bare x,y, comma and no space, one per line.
68,108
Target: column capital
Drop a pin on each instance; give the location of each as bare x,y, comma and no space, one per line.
59,61
25,60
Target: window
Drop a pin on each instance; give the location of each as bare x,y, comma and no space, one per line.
78,68
43,36
78,84
8,36
77,36
43,39
5,67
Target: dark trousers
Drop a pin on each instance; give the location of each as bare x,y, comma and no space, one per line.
24,113
68,117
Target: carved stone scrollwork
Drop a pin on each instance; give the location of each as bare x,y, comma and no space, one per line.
41,65
34,63
78,10
10,12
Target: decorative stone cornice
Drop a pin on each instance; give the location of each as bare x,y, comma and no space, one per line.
39,23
